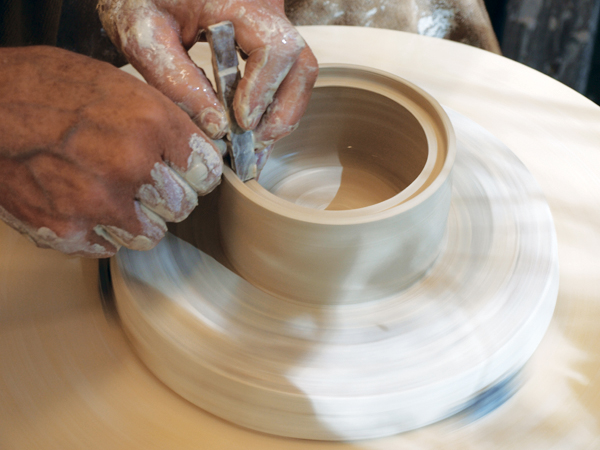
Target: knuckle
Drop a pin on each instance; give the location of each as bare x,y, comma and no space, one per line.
169,196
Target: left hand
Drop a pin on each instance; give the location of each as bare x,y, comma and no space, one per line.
92,158
279,74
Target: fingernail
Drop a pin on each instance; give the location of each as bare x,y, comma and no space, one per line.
212,122
196,174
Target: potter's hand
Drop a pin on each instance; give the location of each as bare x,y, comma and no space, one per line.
280,70
92,158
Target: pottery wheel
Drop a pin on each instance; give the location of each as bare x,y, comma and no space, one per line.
69,378
346,372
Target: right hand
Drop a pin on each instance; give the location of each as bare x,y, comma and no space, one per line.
279,74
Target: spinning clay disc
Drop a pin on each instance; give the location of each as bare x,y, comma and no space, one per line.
356,370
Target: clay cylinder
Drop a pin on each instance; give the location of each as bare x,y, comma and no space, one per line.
353,205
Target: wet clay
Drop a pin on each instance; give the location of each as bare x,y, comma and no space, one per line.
340,308
353,148
346,371
336,216
70,378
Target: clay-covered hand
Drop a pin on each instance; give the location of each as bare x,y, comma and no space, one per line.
92,158
279,73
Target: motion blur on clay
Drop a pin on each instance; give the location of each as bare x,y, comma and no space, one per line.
351,285
356,254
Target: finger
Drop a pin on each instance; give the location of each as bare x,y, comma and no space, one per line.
143,229
152,44
200,164
80,243
291,100
271,55
168,195
101,247
75,242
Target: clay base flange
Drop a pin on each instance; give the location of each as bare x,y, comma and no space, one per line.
366,370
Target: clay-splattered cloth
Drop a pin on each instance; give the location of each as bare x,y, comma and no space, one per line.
465,21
